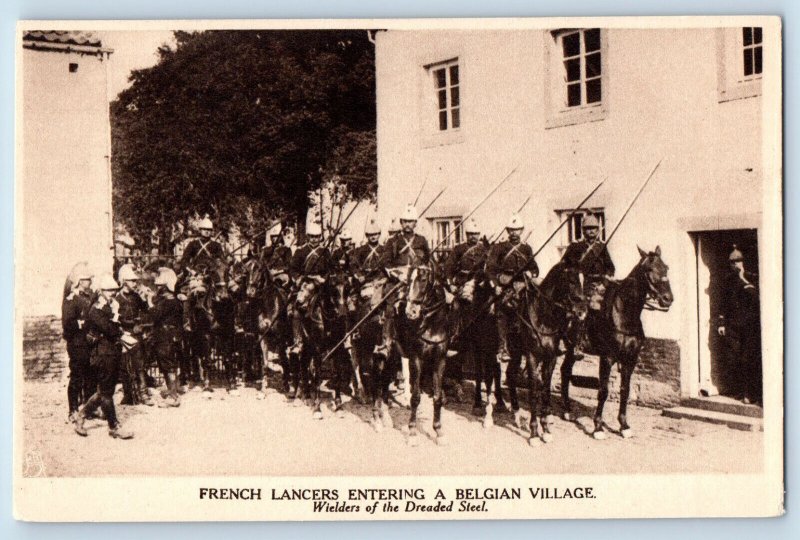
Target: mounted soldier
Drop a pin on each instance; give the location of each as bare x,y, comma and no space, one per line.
74,308
308,269
132,311
343,251
365,265
401,252
393,230
510,264
204,253
590,256
278,256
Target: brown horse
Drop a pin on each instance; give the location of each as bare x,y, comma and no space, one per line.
616,334
423,337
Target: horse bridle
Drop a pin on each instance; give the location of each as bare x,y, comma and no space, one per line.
652,292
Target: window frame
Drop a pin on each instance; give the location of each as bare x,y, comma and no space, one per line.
558,112
428,110
455,239
573,232
732,84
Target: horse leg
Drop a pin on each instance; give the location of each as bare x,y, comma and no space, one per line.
627,366
602,395
566,378
414,372
344,375
316,374
548,366
438,395
359,393
534,379
477,402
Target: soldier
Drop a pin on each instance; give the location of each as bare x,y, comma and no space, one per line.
509,264
341,254
309,267
365,260
590,256
74,308
132,310
166,313
203,253
104,333
393,230
402,251
739,322
278,256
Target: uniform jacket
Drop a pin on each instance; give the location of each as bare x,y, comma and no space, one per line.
202,252
465,259
310,261
341,256
99,323
510,259
74,310
404,251
132,310
597,263
366,262
167,316
739,304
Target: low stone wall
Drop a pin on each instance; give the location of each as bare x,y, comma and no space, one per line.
44,353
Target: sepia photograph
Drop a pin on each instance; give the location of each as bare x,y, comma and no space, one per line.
462,268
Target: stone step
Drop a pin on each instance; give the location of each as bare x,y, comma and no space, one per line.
735,421
724,405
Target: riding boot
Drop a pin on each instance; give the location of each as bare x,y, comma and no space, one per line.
502,335
297,332
144,395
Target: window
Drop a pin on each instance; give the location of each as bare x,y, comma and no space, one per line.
575,71
573,230
444,227
752,51
583,72
447,88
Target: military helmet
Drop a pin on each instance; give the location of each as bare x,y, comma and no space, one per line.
166,276
471,227
372,227
409,213
80,271
126,272
515,222
107,283
205,223
314,229
394,226
590,220
345,235
735,255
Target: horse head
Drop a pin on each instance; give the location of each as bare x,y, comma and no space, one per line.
420,283
564,286
654,270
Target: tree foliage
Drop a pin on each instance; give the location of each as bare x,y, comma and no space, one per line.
242,125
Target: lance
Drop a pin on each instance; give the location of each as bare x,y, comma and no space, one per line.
332,238
616,227
420,192
424,210
496,236
398,285
568,218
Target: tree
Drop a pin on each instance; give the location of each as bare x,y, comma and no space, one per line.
243,125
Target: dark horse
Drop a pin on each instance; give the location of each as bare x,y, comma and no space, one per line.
336,316
616,335
548,310
423,338
371,371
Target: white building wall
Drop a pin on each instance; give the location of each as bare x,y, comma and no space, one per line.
65,188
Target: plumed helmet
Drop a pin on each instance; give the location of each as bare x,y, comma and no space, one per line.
205,223
314,228
394,226
735,255
515,222
126,272
166,276
107,283
276,229
589,221
409,213
472,227
372,227
345,235
80,271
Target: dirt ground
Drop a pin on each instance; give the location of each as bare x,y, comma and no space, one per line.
229,435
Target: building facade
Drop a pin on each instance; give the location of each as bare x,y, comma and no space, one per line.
569,108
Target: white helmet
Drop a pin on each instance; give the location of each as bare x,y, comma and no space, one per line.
409,213
314,229
345,235
80,271
515,222
166,276
107,283
205,223
372,227
590,220
472,227
394,226
126,273
276,229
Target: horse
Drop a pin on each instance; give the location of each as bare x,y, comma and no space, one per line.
223,330
615,333
372,372
335,296
423,336
547,311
